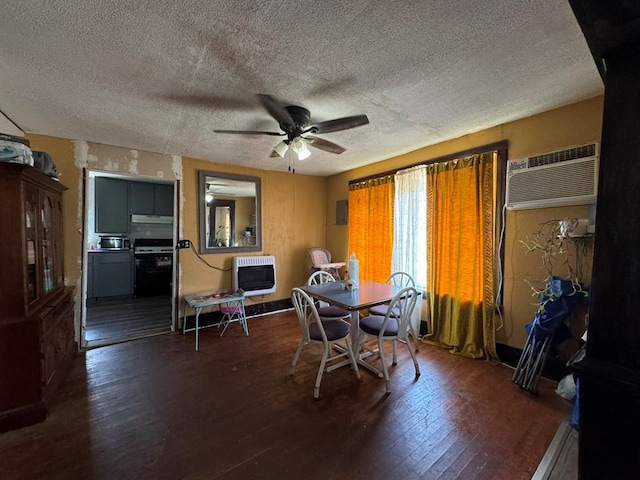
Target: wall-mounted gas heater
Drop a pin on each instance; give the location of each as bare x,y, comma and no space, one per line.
256,275
563,177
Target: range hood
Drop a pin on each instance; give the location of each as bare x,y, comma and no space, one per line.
151,219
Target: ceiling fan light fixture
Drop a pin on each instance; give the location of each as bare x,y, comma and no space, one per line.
304,154
281,148
299,146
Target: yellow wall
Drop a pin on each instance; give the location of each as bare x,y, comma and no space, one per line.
522,266
292,222
553,130
62,152
294,219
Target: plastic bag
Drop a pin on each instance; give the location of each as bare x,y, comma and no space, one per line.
567,388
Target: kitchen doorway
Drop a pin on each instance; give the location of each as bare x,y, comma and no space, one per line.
128,258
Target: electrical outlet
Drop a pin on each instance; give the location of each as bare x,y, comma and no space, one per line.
184,243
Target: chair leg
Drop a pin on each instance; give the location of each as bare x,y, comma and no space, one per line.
296,356
225,324
395,352
416,340
385,370
325,355
243,322
412,352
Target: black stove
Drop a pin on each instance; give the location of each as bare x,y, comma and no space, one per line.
153,245
154,266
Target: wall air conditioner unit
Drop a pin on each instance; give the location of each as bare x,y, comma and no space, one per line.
565,177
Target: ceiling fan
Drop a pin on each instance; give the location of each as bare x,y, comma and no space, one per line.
295,124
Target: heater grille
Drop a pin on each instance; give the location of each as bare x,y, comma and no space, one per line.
256,275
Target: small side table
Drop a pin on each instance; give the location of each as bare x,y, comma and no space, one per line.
232,308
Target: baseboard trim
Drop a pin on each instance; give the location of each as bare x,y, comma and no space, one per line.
256,309
210,319
23,416
554,368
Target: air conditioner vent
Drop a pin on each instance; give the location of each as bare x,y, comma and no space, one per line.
582,151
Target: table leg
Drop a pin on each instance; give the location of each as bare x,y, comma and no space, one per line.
184,318
243,317
197,326
355,338
355,331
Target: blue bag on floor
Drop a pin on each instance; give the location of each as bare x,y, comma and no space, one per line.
575,414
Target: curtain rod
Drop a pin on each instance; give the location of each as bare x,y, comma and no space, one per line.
501,145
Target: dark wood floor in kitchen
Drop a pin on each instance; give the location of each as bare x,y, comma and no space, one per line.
155,408
118,319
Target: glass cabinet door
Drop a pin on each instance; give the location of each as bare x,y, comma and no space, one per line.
47,245
31,199
58,267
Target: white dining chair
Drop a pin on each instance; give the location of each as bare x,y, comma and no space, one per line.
398,279
326,333
326,311
394,326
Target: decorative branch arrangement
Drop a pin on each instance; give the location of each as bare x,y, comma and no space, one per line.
558,252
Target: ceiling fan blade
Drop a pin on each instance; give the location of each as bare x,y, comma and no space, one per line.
251,132
323,144
339,124
275,109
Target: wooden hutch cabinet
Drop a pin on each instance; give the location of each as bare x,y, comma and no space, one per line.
36,309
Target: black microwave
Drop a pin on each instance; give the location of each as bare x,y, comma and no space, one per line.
114,242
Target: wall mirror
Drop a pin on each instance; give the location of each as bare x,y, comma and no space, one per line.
229,209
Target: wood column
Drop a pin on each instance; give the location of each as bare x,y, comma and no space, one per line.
609,371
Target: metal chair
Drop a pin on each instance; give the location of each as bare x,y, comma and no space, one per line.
326,333
233,311
326,311
394,326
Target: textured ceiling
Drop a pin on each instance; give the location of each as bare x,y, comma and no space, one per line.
161,75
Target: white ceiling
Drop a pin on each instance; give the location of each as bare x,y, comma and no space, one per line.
161,75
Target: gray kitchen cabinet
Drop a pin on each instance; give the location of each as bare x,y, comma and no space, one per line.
90,289
163,199
151,198
110,274
112,205
141,198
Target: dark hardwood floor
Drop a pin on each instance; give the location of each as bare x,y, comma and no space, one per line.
114,320
155,408
560,462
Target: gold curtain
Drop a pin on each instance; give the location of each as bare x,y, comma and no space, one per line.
371,227
460,229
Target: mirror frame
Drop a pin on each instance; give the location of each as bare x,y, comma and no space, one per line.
202,189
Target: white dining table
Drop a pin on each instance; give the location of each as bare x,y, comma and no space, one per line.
366,295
